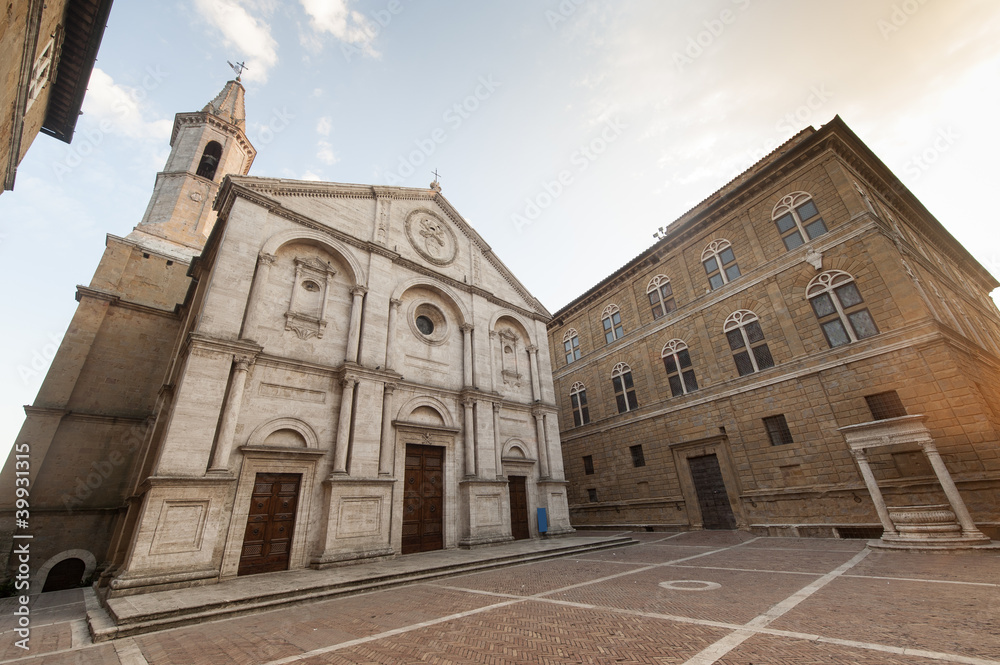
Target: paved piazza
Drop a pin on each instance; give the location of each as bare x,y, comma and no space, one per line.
698,598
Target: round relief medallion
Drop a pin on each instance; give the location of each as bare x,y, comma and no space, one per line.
196,196
431,237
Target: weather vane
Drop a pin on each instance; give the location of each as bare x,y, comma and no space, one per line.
238,68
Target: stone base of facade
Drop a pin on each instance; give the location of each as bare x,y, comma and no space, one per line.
350,558
130,586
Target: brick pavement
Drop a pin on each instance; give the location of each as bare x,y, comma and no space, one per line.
778,601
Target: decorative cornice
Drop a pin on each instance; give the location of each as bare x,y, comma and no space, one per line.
117,301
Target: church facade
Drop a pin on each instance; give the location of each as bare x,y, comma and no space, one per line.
806,352
304,375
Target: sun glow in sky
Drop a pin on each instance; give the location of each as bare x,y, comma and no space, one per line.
565,131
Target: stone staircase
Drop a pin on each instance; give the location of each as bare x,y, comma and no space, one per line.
158,610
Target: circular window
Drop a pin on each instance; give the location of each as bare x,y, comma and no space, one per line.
428,322
425,325
310,286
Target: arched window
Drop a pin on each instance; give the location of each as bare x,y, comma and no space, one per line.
578,399
210,160
798,219
621,379
612,320
661,296
838,305
677,361
746,340
571,345
720,263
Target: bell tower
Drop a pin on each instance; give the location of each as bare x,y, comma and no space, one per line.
205,147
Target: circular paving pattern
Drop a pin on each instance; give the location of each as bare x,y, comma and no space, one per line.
678,585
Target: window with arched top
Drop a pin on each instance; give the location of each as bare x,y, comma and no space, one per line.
798,219
210,160
841,311
720,263
680,373
611,318
578,400
746,341
571,345
621,379
661,296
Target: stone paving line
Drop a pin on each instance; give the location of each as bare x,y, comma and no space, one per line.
128,651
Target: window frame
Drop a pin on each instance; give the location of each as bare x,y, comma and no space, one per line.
579,407
779,434
790,204
656,286
829,284
740,320
624,388
611,322
638,458
887,400
672,350
571,346
713,252
588,465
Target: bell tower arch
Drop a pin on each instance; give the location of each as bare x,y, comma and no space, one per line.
205,146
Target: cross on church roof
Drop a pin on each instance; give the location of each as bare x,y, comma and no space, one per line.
238,68
436,176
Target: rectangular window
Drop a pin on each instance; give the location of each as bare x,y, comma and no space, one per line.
592,495
637,457
885,405
777,430
588,465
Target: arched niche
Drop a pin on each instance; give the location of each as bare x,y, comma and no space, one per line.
416,411
506,318
270,434
332,245
449,296
515,450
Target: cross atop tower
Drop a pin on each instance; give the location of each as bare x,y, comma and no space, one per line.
238,68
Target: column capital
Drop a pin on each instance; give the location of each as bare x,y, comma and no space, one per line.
929,448
389,388
243,362
468,401
266,259
494,334
859,453
358,290
466,327
531,349
394,303
497,406
350,380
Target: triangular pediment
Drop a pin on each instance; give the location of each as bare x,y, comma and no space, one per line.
419,228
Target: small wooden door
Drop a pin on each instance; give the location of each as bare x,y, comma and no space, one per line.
518,508
423,499
716,512
268,537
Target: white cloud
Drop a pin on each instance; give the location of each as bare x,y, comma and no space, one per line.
117,109
346,25
309,175
325,153
250,35
324,125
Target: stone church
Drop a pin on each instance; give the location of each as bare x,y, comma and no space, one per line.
270,374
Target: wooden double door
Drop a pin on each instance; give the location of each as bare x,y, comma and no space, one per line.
713,500
518,507
423,499
267,540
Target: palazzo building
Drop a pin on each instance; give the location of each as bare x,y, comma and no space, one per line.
708,382
300,375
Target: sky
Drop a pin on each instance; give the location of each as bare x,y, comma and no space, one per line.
565,131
